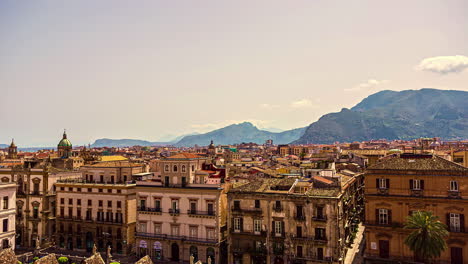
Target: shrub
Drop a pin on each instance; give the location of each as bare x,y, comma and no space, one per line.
62,260
115,262
35,258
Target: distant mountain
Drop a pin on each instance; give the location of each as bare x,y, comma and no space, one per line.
238,133
395,115
119,143
4,146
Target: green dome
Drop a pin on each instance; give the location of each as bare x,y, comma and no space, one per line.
65,143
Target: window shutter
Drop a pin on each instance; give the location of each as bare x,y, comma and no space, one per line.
411,184
422,184
387,181
376,216
241,224
389,216
272,226
462,223
448,221
377,183
282,227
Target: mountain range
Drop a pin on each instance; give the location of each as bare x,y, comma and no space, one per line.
386,114
392,115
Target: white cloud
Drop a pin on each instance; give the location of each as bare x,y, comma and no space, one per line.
303,103
444,64
269,106
367,85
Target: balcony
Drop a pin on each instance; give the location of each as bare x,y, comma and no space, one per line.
248,232
149,209
173,237
278,235
454,194
200,213
278,209
247,210
320,218
417,193
300,217
389,224
174,211
382,191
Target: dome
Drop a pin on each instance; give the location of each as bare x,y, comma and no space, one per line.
65,142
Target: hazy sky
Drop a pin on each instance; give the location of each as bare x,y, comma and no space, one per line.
148,69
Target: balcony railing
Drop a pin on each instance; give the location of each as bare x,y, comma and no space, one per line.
277,208
382,191
310,238
454,194
392,224
279,235
417,192
174,237
321,218
196,212
300,217
174,211
149,209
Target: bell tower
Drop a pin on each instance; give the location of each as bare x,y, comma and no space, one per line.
12,150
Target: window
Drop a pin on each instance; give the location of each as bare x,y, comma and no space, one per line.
210,208
193,207
175,204
454,186
278,228
455,222
109,203
79,189
416,184
100,203
166,168
237,224
109,190
299,251
143,227
257,203
320,233
100,190
236,205
278,205
5,225
78,201
90,202
175,230
62,200
383,216
210,233
383,183
70,189
119,204
193,168
157,204
193,231
70,212
174,168
183,168
90,190
257,226
70,201
157,228
5,202
298,231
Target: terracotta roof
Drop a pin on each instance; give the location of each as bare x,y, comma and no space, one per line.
418,162
322,179
7,256
184,155
113,164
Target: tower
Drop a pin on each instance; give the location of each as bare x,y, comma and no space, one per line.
12,151
64,147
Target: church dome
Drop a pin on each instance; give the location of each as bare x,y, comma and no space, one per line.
65,142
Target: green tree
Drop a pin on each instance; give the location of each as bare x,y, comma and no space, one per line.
427,240
62,260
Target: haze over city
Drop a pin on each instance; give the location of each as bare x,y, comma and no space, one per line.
157,69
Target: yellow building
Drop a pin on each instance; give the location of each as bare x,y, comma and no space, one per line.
461,157
400,185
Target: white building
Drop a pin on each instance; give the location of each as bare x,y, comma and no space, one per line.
7,214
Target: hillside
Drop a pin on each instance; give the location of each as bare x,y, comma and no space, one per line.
395,115
238,133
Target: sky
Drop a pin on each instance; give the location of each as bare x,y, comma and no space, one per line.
158,69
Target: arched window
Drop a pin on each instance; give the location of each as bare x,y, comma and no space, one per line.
194,253
175,168
166,168
210,253
193,167
183,168
5,179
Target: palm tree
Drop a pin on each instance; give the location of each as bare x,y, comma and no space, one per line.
427,241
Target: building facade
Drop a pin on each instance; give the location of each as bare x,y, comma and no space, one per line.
182,214
400,185
291,220
8,215
98,209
